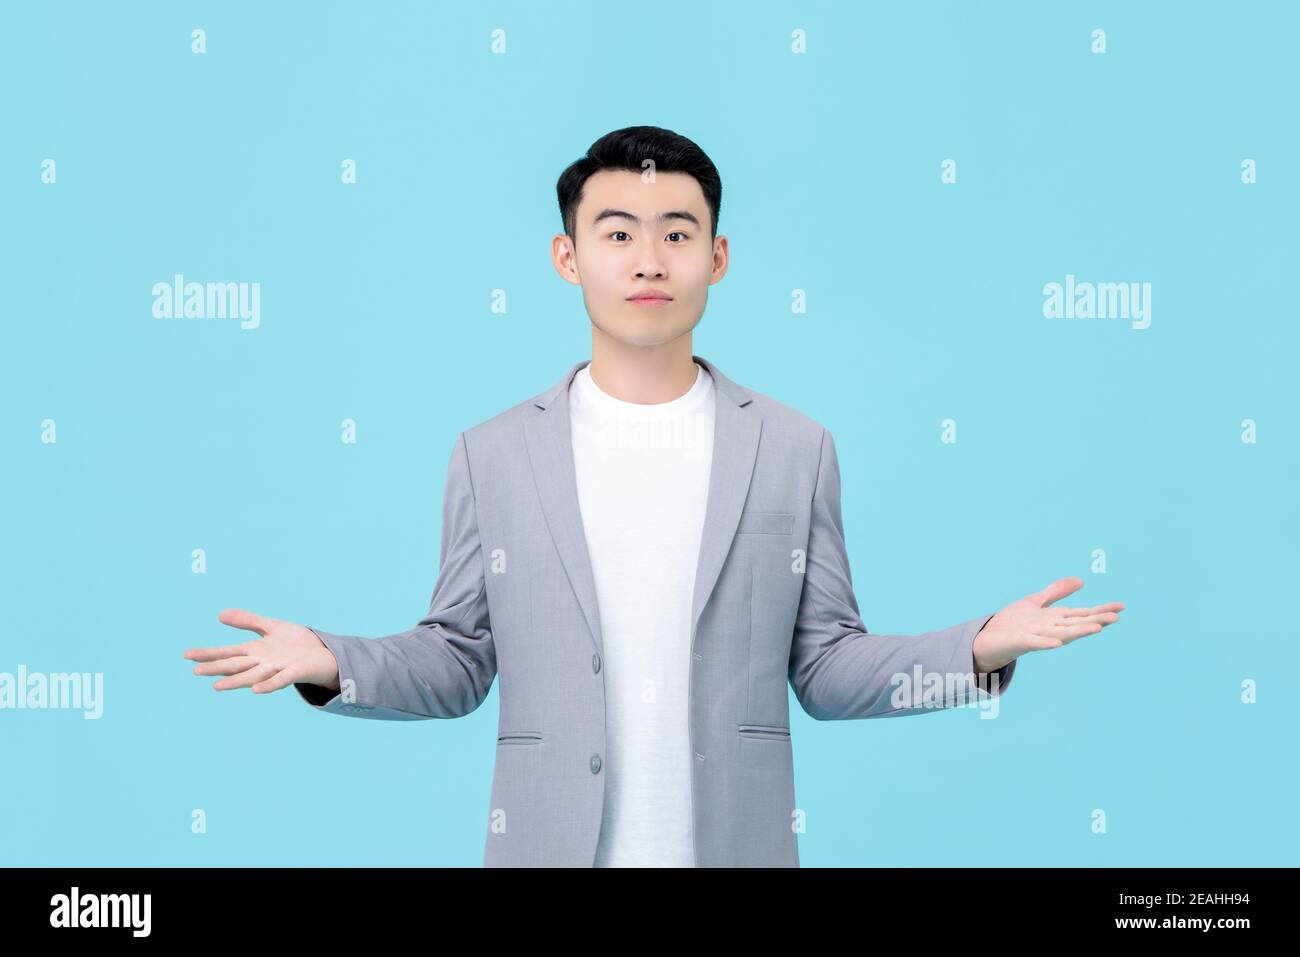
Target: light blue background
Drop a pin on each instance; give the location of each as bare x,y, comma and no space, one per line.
925,303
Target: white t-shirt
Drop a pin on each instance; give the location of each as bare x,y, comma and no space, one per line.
643,481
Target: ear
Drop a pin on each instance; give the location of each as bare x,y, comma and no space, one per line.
721,259
564,256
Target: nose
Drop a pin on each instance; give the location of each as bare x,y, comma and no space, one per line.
650,266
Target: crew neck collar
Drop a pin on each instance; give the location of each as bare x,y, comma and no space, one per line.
592,393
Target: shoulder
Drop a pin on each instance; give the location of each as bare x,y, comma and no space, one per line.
504,426
794,431
784,416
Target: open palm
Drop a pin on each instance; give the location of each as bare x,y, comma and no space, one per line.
285,653
1031,624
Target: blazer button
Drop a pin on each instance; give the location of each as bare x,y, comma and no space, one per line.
595,764
595,663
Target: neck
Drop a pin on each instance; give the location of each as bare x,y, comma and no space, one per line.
646,375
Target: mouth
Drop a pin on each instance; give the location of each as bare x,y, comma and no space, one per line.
650,299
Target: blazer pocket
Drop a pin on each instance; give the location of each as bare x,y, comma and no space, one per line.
519,737
766,523
764,731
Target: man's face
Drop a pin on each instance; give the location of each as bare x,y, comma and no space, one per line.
634,237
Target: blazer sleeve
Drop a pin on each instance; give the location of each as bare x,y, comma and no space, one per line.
838,669
445,665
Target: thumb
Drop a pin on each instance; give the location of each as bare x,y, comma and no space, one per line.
1058,590
239,618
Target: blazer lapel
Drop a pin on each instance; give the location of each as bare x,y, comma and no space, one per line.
550,453
735,448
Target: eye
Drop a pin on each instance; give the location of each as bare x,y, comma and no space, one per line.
678,233
617,232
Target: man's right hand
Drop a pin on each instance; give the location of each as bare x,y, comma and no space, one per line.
286,653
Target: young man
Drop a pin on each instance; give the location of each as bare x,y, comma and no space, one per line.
646,553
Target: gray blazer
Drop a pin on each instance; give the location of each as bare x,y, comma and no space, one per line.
773,603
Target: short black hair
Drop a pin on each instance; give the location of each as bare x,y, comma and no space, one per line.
628,149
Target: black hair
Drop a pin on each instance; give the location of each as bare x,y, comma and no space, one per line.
628,149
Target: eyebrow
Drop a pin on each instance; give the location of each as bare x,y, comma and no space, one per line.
663,217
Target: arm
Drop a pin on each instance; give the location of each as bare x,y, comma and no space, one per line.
841,671
444,666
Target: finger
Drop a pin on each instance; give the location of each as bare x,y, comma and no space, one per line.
275,682
226,666
249,677
1058,590
212,654
1094,610
1106,618
239,618
1071,632
1038,643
